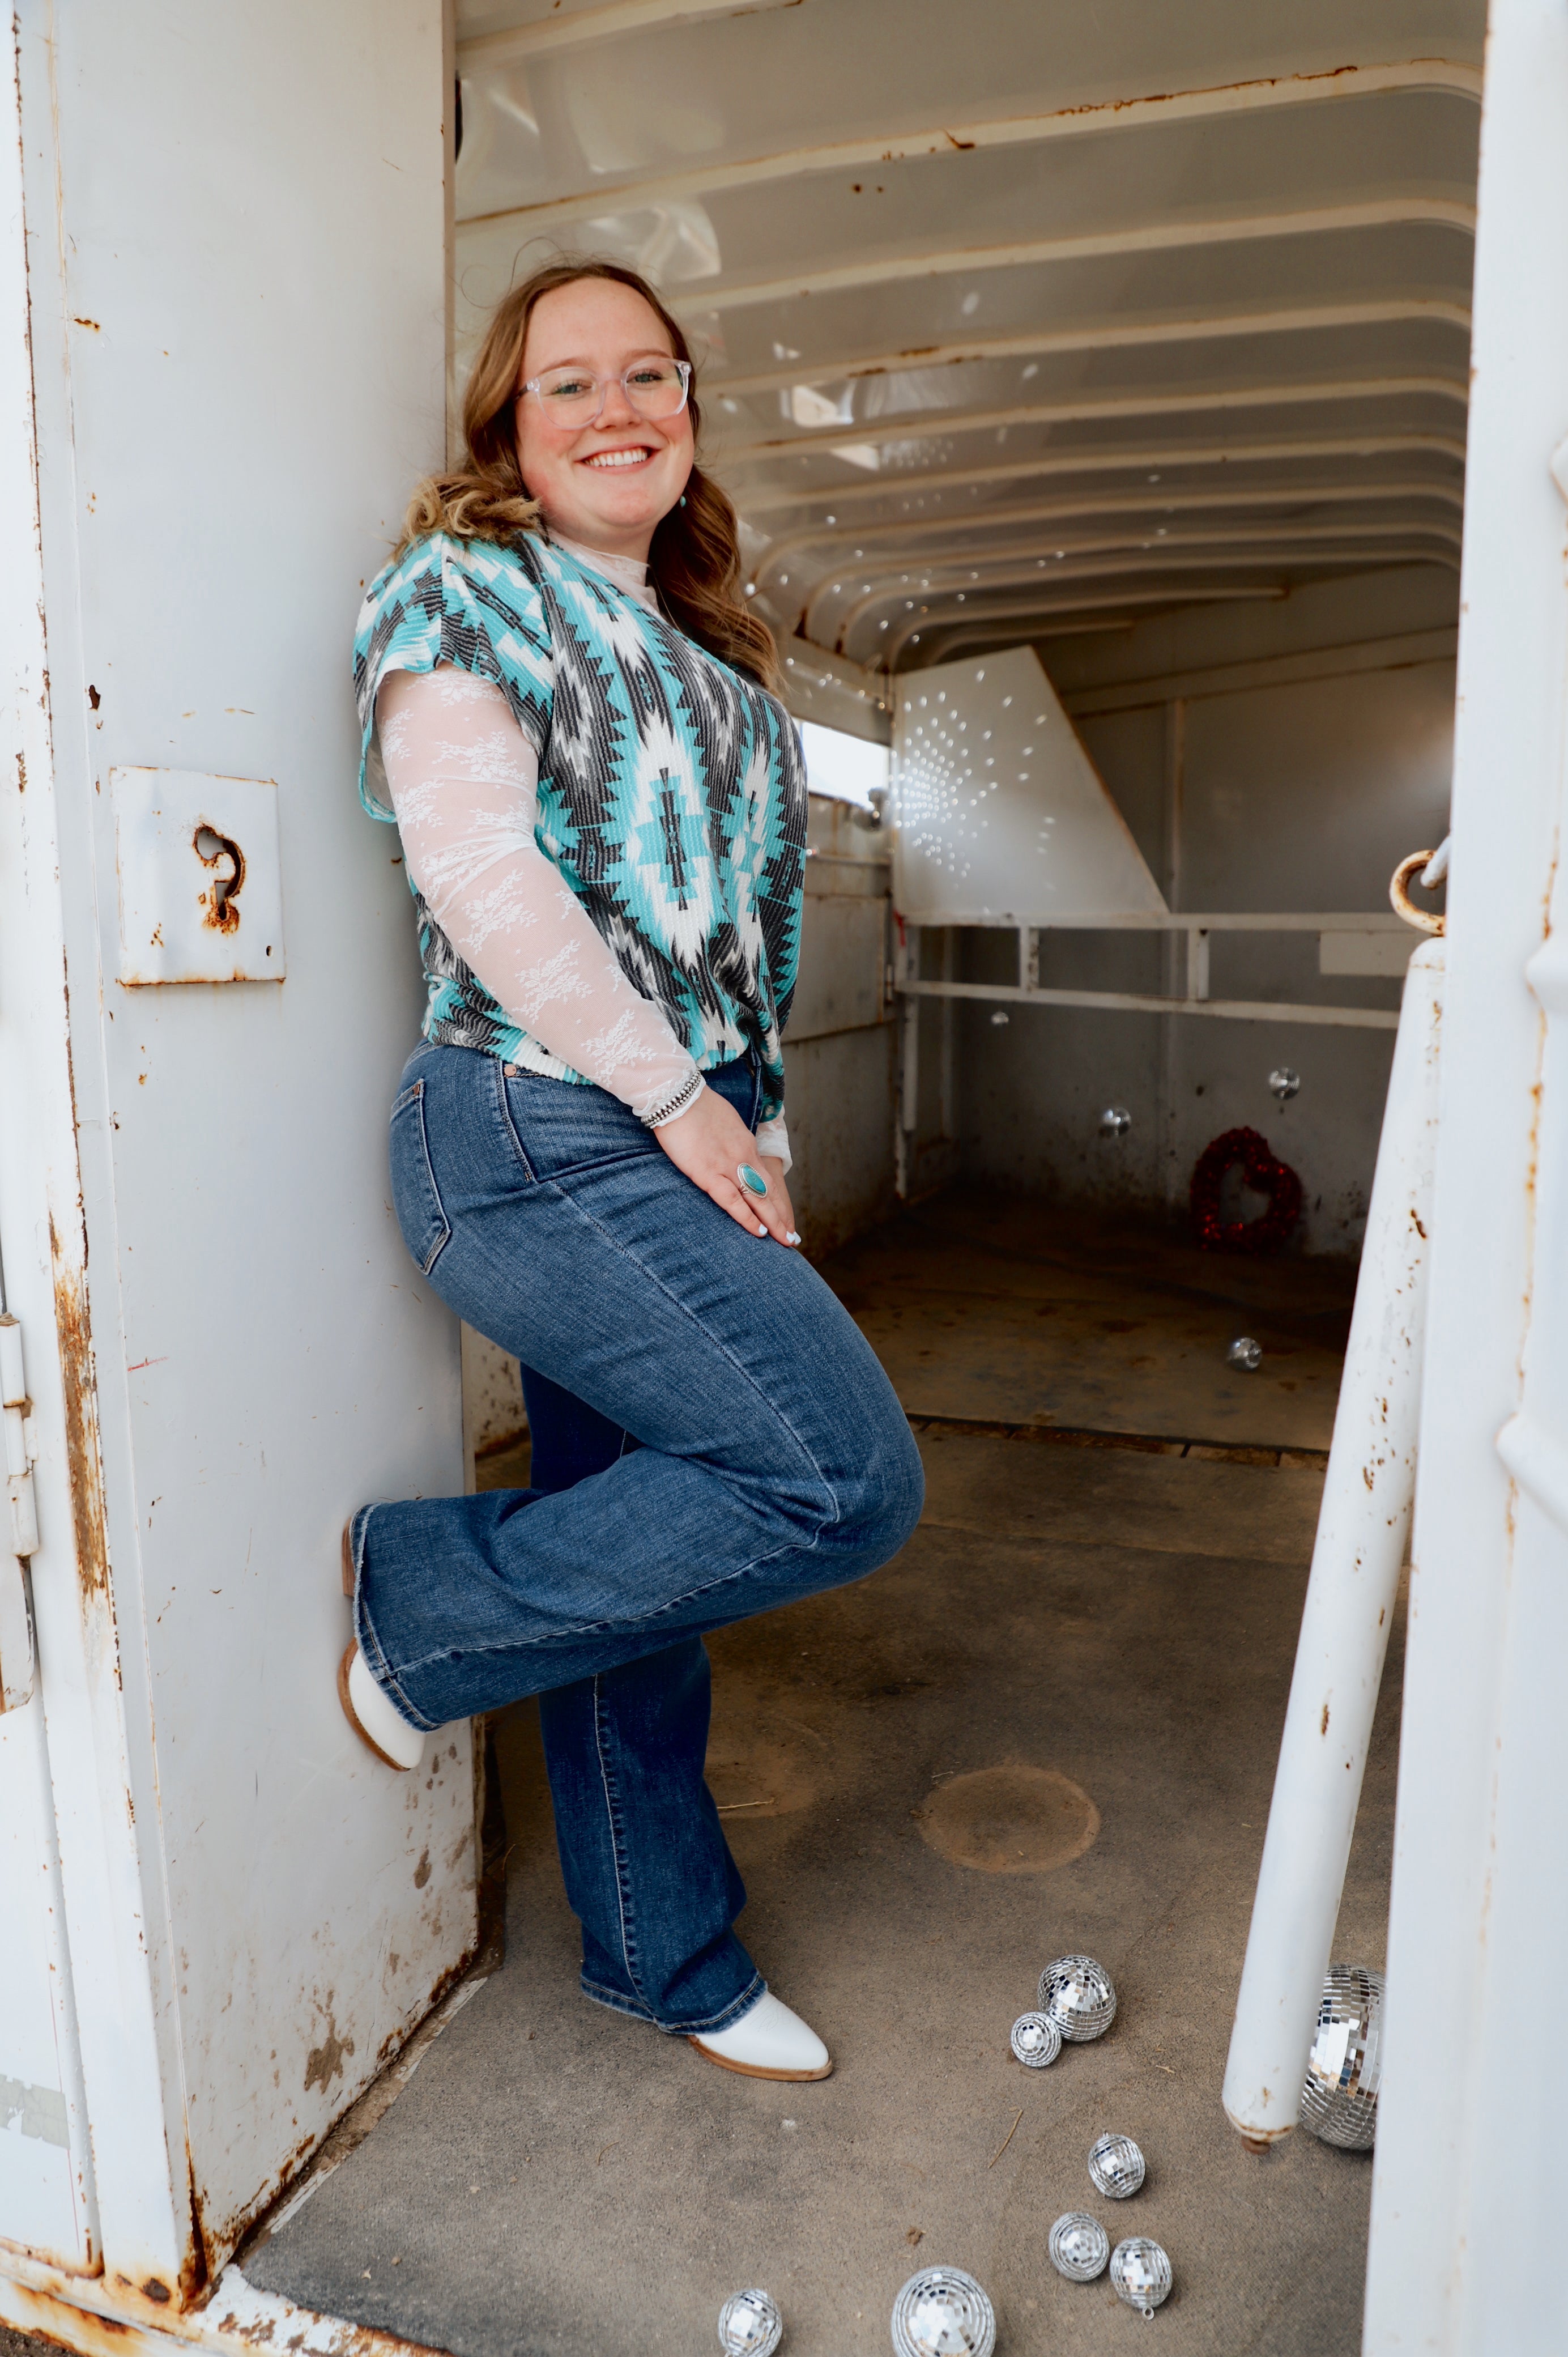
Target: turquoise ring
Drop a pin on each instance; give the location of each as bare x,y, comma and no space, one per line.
752,1180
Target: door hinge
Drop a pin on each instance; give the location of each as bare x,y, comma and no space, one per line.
17,1661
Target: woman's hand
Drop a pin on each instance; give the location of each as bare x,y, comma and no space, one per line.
707,1143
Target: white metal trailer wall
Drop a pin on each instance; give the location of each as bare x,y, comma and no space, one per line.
1276,757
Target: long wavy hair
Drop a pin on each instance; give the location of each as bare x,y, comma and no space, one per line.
695,555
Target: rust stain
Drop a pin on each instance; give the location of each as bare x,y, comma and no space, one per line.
77,321
1322,1725
422,1871
21,774
197,2269
73,1326
92,696
60,2320
218,912
324,2062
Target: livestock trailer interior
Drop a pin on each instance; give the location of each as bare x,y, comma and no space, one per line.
1139,421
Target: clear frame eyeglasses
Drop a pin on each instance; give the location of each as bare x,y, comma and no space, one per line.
573,397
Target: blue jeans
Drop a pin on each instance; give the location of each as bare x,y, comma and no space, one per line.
773,1461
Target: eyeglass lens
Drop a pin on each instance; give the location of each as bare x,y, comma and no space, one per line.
653,389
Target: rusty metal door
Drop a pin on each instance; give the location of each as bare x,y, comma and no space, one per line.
205,439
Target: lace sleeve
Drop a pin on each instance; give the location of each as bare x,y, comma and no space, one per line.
464,781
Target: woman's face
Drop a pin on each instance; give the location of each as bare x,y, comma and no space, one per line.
607,484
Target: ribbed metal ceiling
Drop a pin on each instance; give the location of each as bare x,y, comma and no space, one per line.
1018,320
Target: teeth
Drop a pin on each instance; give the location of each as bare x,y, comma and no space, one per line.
618,458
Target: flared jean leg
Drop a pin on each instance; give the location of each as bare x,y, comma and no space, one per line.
775,1461
647,1867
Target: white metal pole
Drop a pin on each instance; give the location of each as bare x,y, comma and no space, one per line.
1361,1534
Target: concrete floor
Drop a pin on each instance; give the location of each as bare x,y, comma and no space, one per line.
1050,1725
987,1307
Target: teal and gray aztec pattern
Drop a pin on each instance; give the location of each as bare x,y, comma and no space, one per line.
671,789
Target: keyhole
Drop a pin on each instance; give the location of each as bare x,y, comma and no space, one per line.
218,909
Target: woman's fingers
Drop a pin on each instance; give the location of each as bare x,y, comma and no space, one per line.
773,1170
710,1145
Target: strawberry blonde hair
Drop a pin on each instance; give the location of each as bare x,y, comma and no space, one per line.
695,555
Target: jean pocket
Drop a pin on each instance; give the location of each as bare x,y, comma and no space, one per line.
562,1131
415,1196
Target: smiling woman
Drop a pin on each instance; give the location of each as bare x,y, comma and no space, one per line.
686,524
603,810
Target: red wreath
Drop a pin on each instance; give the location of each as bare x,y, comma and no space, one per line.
1262,1169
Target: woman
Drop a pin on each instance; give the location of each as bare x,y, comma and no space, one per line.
603,810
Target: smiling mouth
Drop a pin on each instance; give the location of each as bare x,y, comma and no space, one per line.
606,460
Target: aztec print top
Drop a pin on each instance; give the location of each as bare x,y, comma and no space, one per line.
671,791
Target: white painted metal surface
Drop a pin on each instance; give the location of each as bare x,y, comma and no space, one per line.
46,2202
1471,2169
843,965
1363,1525
996,808
196,1208
201,874
1010,232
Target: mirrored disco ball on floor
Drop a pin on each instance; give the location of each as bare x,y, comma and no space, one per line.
1115,1122
750,2325
1140,2273
1036,2039
1077,1993
1339,2097
1116,2165
1284,1083
1245,1353
1078,2246
942,2312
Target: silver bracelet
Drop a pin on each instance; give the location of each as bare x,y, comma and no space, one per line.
686,1095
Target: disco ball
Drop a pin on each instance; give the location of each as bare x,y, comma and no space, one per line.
1078,2246
942,2312
1245,1353
1115,1122
1036,2039
1116,2165
750,2325
1339,2098
1000,1018
1284,1083
1078,1994
1140,2273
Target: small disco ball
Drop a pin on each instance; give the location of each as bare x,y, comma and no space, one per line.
1245,1353
1115,1122
1036,2039
1140,2273
1000,1018
1116,2165
1078,2246
942,2312
1284,1083
750,2325
1339,2098
1078,1994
